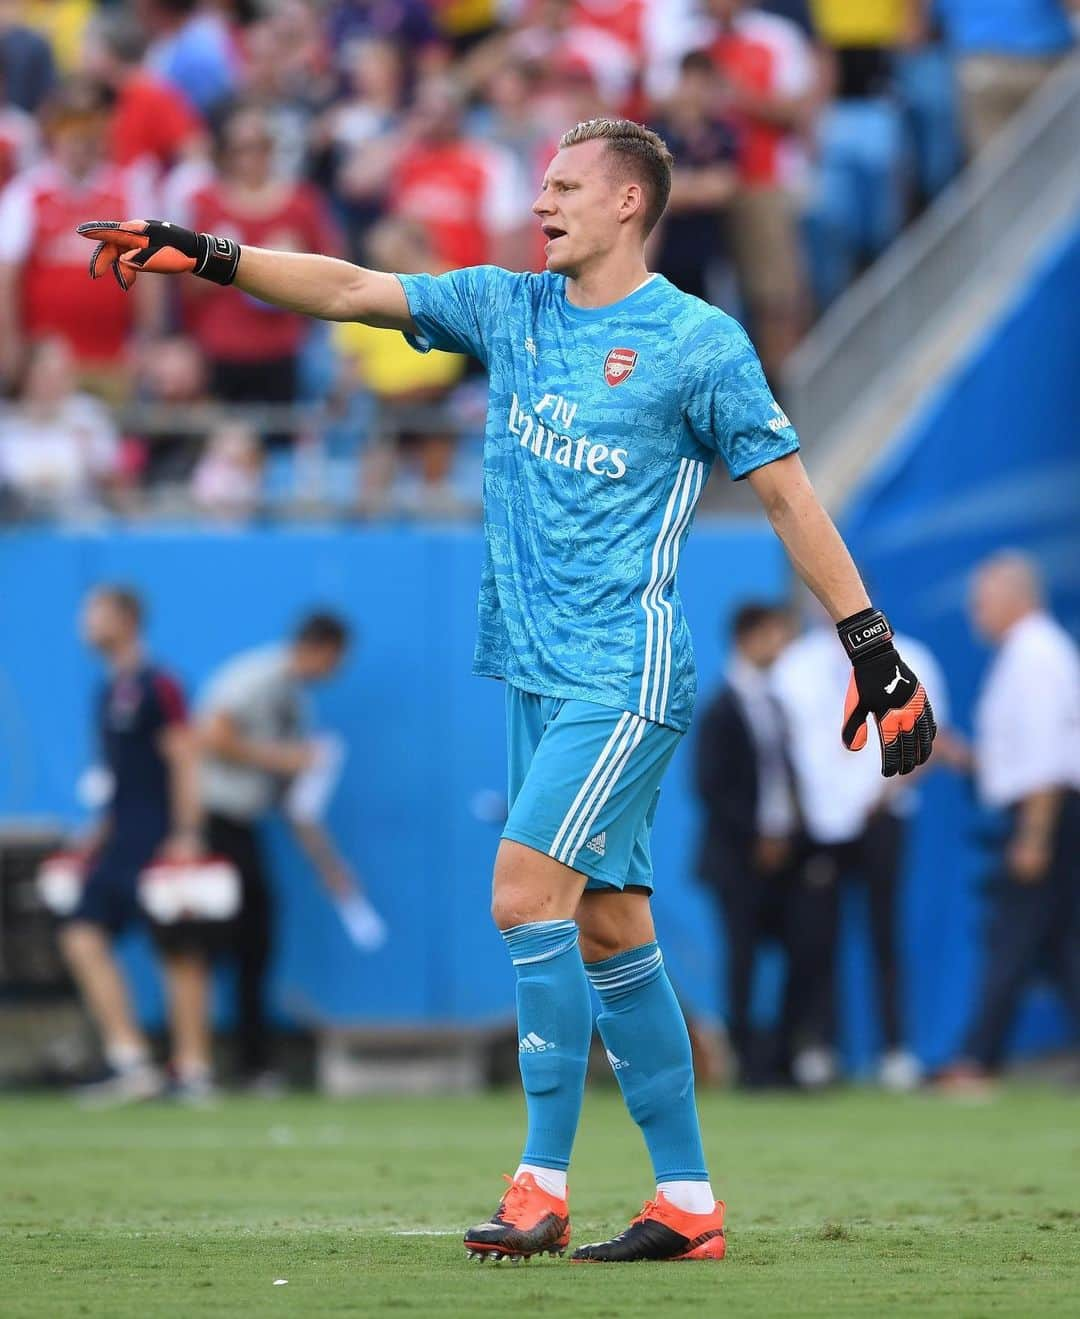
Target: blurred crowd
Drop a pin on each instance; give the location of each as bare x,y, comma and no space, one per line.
412,135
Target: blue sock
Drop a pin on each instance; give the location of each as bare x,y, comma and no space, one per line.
554,1015
648,1046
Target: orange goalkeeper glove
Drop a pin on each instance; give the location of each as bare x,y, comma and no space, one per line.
882,685
128,246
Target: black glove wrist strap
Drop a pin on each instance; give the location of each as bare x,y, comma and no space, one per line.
216,258
864,634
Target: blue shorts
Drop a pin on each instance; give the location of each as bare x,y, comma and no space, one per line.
110,892
584,781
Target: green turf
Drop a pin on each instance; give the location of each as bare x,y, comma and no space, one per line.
858,1204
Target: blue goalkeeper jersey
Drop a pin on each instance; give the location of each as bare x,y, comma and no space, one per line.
602,427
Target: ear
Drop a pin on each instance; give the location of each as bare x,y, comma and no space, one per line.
632,203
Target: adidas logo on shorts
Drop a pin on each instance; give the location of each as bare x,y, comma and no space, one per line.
617,1064
532,1043
598,844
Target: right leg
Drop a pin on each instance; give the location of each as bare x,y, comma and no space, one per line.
87,950
813,918
236,840
737,901
533,906
1017,934
106,905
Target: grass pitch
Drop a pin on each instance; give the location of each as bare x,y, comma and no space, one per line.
858,1204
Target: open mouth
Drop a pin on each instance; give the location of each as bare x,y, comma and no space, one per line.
552,231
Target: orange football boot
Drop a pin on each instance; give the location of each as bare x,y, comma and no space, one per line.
661,1232
529,1221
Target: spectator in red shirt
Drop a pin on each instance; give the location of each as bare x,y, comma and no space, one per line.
251,346
151,119
772,94
468,194
43,286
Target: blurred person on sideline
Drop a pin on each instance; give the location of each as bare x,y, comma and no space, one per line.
252,347
750,844
254,735
1030,774
151,123
39,261
27,64
402,380
856,826
703,180
1005,51
149,753
772,92
465,192
227,481
192,48
58,447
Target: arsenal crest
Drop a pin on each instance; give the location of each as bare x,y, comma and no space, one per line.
619,365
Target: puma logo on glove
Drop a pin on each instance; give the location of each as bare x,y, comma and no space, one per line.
882,685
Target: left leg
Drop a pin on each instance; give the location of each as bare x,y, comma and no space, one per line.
645,1035
644,1032
187,983
881,853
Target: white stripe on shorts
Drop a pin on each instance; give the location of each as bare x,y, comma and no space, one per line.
601,759
603,789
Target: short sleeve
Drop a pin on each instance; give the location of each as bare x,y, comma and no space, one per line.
170,699
228,691
728,404
456,311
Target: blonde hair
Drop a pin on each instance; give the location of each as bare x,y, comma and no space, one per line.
638,150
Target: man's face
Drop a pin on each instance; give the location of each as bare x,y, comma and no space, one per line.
580,206
993,604
316,661
78,143
764,643
104,625
696,91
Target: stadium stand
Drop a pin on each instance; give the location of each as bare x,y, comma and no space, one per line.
416,111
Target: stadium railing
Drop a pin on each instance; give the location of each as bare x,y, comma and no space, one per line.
1025,180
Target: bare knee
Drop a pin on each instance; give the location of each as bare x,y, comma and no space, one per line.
530,886
611,923
81,941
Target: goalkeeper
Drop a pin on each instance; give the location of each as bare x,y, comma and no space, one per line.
611,394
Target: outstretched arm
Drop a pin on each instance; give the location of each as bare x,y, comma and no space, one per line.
325,287
315,285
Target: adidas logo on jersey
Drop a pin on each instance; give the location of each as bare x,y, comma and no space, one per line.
532,1043
617,1064
598,844
555,446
